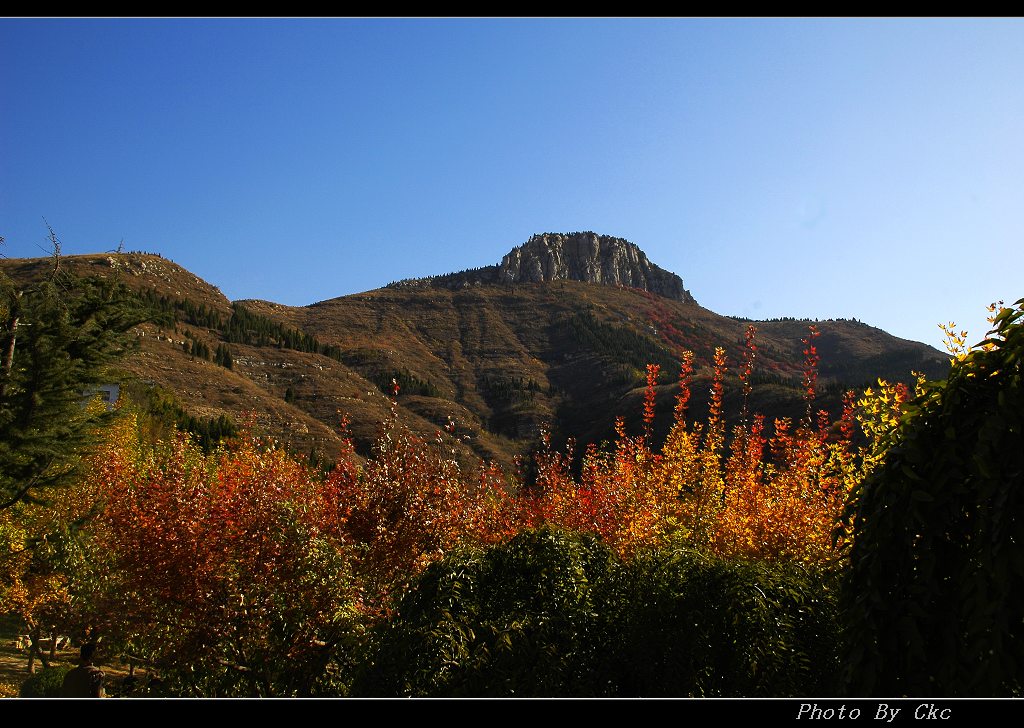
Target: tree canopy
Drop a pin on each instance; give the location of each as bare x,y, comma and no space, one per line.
57,337
936,583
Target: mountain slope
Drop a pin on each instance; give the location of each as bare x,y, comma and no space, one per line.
501,359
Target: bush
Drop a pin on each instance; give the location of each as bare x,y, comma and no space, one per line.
524,618
935,595
46,683
703,626
556,613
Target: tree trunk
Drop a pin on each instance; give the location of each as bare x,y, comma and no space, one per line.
34,650
8,360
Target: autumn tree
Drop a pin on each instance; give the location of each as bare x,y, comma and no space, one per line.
46,560
411,503
229,573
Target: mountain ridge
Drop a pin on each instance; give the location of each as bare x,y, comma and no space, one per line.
586,257
502,360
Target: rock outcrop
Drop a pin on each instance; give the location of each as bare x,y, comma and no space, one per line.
585,256
591,258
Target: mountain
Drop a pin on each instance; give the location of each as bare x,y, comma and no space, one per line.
589,258
586,257
557,335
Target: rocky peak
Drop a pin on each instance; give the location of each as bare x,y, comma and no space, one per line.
591,258
586,257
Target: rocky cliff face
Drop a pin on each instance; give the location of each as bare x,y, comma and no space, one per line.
591,258
586,257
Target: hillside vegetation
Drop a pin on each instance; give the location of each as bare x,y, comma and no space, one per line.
551,490
502,362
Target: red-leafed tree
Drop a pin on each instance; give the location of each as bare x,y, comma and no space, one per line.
227,574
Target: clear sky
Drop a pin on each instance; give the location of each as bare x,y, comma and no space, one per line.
811,168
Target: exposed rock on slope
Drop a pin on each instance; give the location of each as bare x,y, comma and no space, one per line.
590,258
586,257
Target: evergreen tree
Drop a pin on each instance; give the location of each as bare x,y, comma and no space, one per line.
57,336
223,357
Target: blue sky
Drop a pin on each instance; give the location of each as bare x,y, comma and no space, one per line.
821,168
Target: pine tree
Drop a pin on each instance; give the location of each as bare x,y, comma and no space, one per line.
57,337
223,357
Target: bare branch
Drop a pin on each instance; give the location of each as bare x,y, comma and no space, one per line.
55,249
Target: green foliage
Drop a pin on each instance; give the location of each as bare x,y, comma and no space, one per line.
701,626
223,357
507,389
184,309
619,343
555,613
242,327
163,408
46,683
520,619
407,383
197,348
56,338
247,327
165,310
935,594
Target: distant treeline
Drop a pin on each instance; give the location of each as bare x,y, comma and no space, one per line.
792,318
483,274
207,432
621,344
407,383
241,327
201,350
509,389
253,329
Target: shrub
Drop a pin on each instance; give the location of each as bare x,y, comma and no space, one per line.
46,683
697,625
557,613
935,595
523,618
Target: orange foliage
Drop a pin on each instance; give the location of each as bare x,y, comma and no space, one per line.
411,503
233,559
42,562
187,529
775,496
